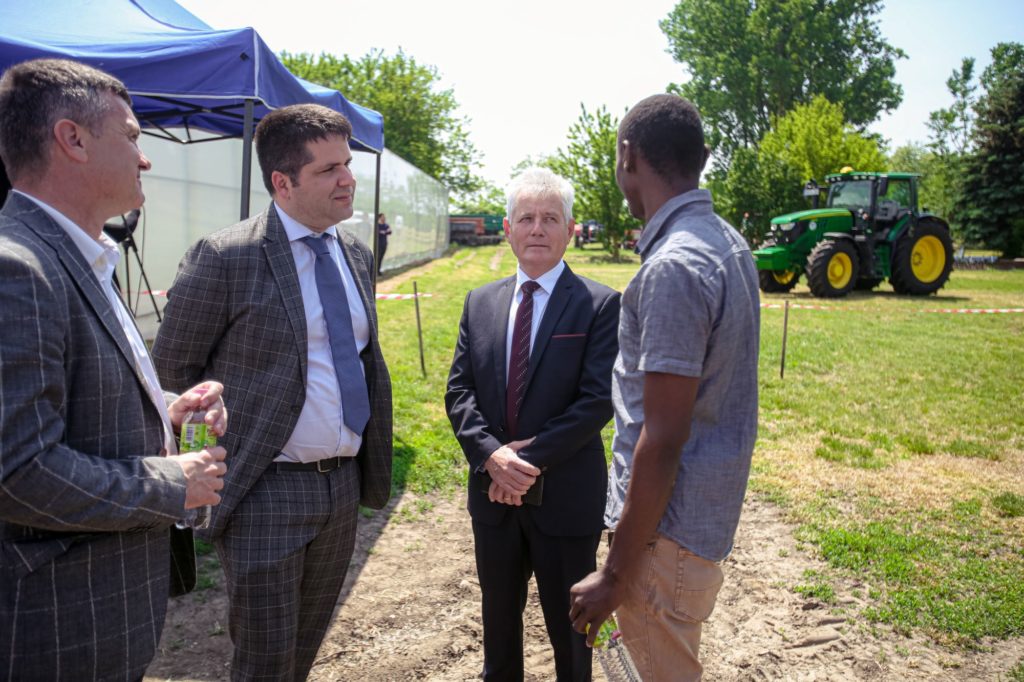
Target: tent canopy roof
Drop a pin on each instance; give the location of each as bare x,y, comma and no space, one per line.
179,71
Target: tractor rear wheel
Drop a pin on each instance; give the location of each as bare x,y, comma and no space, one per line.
778,281
832,268
922,259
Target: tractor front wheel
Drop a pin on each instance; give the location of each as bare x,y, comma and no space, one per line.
922,259
778,281
832,268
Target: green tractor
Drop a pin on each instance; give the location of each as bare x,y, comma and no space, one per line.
869,230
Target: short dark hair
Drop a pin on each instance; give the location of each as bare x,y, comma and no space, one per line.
34,95
282,135
666,130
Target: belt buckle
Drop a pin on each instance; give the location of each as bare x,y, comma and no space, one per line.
320,465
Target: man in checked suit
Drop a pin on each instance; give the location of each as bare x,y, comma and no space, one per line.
528,394
86,492
280,309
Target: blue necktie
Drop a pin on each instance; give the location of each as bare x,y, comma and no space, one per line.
355,402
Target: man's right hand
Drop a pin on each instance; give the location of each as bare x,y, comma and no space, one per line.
204,475
511,473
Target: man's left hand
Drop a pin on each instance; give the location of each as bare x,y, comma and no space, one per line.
592,600
205,396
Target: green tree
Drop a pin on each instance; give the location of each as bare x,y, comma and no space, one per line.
748,61
588,162
489,198
808,143
420,121
988,204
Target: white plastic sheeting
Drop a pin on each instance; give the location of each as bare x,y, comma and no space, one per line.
194,190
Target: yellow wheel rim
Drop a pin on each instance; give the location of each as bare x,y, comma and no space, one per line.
840,270
783,276
928,258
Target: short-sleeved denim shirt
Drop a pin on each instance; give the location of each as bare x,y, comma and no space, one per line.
692,309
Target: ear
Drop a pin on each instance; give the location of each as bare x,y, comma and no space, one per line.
506,226
281,183
572,230
628,155
705,157
70,140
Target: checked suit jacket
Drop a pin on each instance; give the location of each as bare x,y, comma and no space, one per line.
85,497
235,315
567,400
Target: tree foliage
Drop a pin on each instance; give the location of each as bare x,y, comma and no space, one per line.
808,143
588,162
489,198
751,60
420,121
988,204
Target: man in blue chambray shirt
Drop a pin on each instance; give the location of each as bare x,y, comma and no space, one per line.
684,389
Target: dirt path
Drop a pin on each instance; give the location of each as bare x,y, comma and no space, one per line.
410,611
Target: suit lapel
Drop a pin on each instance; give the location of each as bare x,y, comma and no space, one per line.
503,301
282,266
560,297
80,273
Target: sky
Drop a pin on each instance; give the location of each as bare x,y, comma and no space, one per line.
521,69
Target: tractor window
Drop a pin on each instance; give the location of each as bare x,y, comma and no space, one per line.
853,194
899,191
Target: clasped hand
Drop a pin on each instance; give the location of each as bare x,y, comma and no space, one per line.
511,476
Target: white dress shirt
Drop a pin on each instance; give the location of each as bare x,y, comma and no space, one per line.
320,432
102,256
541,297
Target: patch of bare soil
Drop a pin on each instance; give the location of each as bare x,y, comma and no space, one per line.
410,611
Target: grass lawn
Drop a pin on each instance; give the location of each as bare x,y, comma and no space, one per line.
896,439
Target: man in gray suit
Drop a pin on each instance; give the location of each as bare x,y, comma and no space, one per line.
280,309
86,492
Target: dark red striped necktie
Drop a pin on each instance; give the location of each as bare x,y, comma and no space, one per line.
519,358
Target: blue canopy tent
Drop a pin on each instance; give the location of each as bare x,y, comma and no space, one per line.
180,72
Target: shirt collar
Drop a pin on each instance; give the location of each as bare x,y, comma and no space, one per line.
296,230
101,254
546,281
692,202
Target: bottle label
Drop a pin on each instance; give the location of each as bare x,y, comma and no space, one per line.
196,436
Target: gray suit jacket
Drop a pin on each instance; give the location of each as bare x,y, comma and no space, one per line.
83,541
235,315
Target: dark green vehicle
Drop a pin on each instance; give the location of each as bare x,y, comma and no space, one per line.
869,230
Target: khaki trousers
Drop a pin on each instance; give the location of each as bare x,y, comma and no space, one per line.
662,615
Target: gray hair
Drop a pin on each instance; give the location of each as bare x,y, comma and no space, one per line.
34,95
538,181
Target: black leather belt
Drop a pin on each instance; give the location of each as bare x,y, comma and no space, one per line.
323,465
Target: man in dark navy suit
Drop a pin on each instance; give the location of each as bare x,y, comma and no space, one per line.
528,394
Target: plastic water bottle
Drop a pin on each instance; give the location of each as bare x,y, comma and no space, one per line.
612,654
197,435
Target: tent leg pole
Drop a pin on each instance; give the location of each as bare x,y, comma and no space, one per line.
247,129
373,228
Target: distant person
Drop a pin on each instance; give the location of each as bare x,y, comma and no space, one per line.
89,482
528,394
685,396
383,230
280,308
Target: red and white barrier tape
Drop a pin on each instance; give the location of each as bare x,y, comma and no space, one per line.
400,297
962,311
